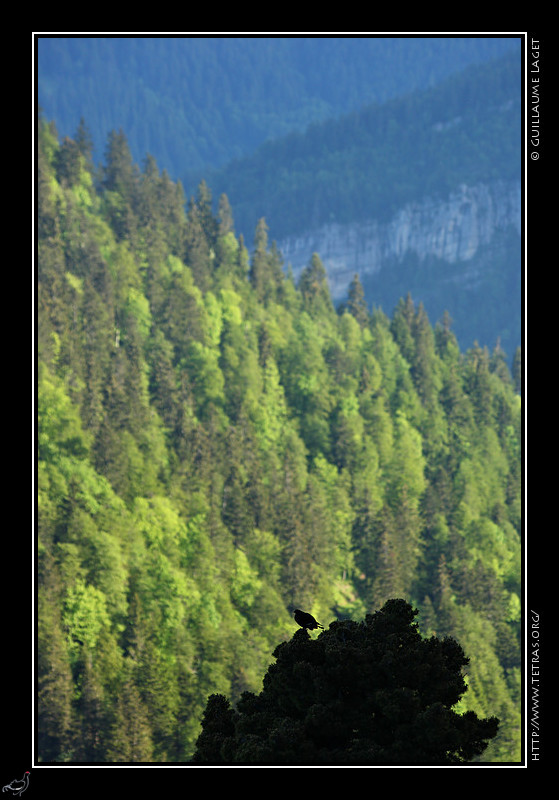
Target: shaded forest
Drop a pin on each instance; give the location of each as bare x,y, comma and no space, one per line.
218,445
413,149
197,102
372,162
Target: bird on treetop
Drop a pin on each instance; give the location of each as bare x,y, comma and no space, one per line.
306,620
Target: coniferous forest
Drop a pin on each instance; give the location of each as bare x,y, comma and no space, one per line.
218,445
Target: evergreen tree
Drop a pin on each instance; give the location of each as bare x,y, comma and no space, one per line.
54,682
84,142
225,216
198,254
90,741
207,219
163,380
402,326
356,304
478,383
130,736
425,369
265,269
313,285
120,173
362,693
121,182
68,163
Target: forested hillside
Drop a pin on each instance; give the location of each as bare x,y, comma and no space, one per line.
372,162
197,102
318,132
218,445
342,179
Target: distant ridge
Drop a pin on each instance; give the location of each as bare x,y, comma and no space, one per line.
198,102
370,163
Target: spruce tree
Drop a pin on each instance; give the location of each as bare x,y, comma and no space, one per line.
357,304
84,141
68,163
265,269
313,285
54,682
120,173
197,254
225,216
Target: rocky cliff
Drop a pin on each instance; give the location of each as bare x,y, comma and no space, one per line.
453,231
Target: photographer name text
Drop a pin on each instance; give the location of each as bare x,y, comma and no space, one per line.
534,89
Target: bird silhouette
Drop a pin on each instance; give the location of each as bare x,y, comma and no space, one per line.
306,620
17,787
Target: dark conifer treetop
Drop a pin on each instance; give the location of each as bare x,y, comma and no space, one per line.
363,693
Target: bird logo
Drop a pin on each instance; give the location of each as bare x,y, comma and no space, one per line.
306,620
17,787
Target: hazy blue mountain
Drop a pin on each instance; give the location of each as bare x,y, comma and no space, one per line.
194,102
394,157
421,193
368,164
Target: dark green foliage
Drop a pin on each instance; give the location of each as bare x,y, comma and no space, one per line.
266,275
356,304
120,174
363,693
313,285
216,445
68,165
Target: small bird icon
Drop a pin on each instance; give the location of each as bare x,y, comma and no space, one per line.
306,620
17,787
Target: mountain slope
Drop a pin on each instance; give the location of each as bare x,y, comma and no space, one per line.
195,103
432,179
369,164
217,445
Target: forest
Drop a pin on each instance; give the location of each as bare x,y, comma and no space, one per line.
298,131
369,163
218,445
197,102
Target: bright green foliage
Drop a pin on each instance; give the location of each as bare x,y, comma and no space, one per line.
217,445
84,614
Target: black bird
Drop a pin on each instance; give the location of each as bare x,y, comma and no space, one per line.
306,620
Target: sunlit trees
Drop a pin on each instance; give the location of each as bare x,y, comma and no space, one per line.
217,443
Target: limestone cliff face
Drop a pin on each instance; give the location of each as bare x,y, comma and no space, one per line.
452,230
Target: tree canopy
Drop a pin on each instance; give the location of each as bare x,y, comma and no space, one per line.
363,693
218,444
